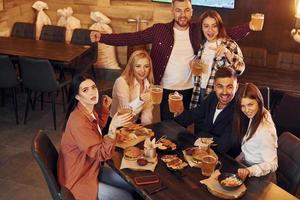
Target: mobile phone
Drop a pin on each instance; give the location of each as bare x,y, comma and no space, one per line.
147,179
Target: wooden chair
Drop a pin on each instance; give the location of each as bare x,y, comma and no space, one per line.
287,114
53,33
288,60
9,80
23,30
45,154
254,56
38,76
288,172
82,37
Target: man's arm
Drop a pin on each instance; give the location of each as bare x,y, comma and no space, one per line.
124,39
196,115
238,32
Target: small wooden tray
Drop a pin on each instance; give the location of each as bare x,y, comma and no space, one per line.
224,196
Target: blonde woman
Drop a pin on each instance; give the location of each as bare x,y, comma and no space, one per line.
132,87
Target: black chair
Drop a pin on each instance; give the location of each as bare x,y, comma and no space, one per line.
288,172
45,154
287,114
82,37
23,30
38,76
265,91
53,33
9,80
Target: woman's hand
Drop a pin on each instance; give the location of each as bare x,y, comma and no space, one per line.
146,96
118,121
106,102
243,173
95,36
222,51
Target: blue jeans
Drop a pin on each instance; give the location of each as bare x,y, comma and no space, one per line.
112,186
109,192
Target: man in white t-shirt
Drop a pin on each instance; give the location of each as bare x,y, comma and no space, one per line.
215,115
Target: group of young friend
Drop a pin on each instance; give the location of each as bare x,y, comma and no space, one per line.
239,124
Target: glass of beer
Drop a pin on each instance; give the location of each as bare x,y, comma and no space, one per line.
124,109
175,102
257,21
156,92
198,67
209,164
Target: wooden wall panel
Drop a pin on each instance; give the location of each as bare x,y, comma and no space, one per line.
15,10
275,37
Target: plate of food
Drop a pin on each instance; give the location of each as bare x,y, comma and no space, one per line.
173,162
196,154
230,181
204,143
132,153
132,134
166,145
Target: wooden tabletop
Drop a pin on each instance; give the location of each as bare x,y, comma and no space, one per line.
284,80
185,184
49,50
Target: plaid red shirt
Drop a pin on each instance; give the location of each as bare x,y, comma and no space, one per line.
161,36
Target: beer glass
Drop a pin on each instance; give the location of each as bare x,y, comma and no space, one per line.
124,109
257,21
208,165
198,67
175,102
156,92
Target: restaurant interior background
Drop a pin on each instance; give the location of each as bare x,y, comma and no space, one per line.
275,37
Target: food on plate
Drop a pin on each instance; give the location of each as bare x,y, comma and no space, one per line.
168,158
173,162
166,144
132,127
143,132
124,136
132,153
132,131
189,151
231,181
207,141
142,161
197,155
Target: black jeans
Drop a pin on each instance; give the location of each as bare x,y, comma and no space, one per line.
164,106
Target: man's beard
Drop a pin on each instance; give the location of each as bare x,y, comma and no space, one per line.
183,24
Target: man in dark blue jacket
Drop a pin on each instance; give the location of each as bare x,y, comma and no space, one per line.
214,118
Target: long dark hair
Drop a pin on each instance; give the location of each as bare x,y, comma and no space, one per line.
240,126
73,91
216,16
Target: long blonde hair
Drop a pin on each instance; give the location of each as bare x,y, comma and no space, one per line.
128,71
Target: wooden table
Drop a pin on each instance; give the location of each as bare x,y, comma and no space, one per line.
283,80
69,54
186,185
